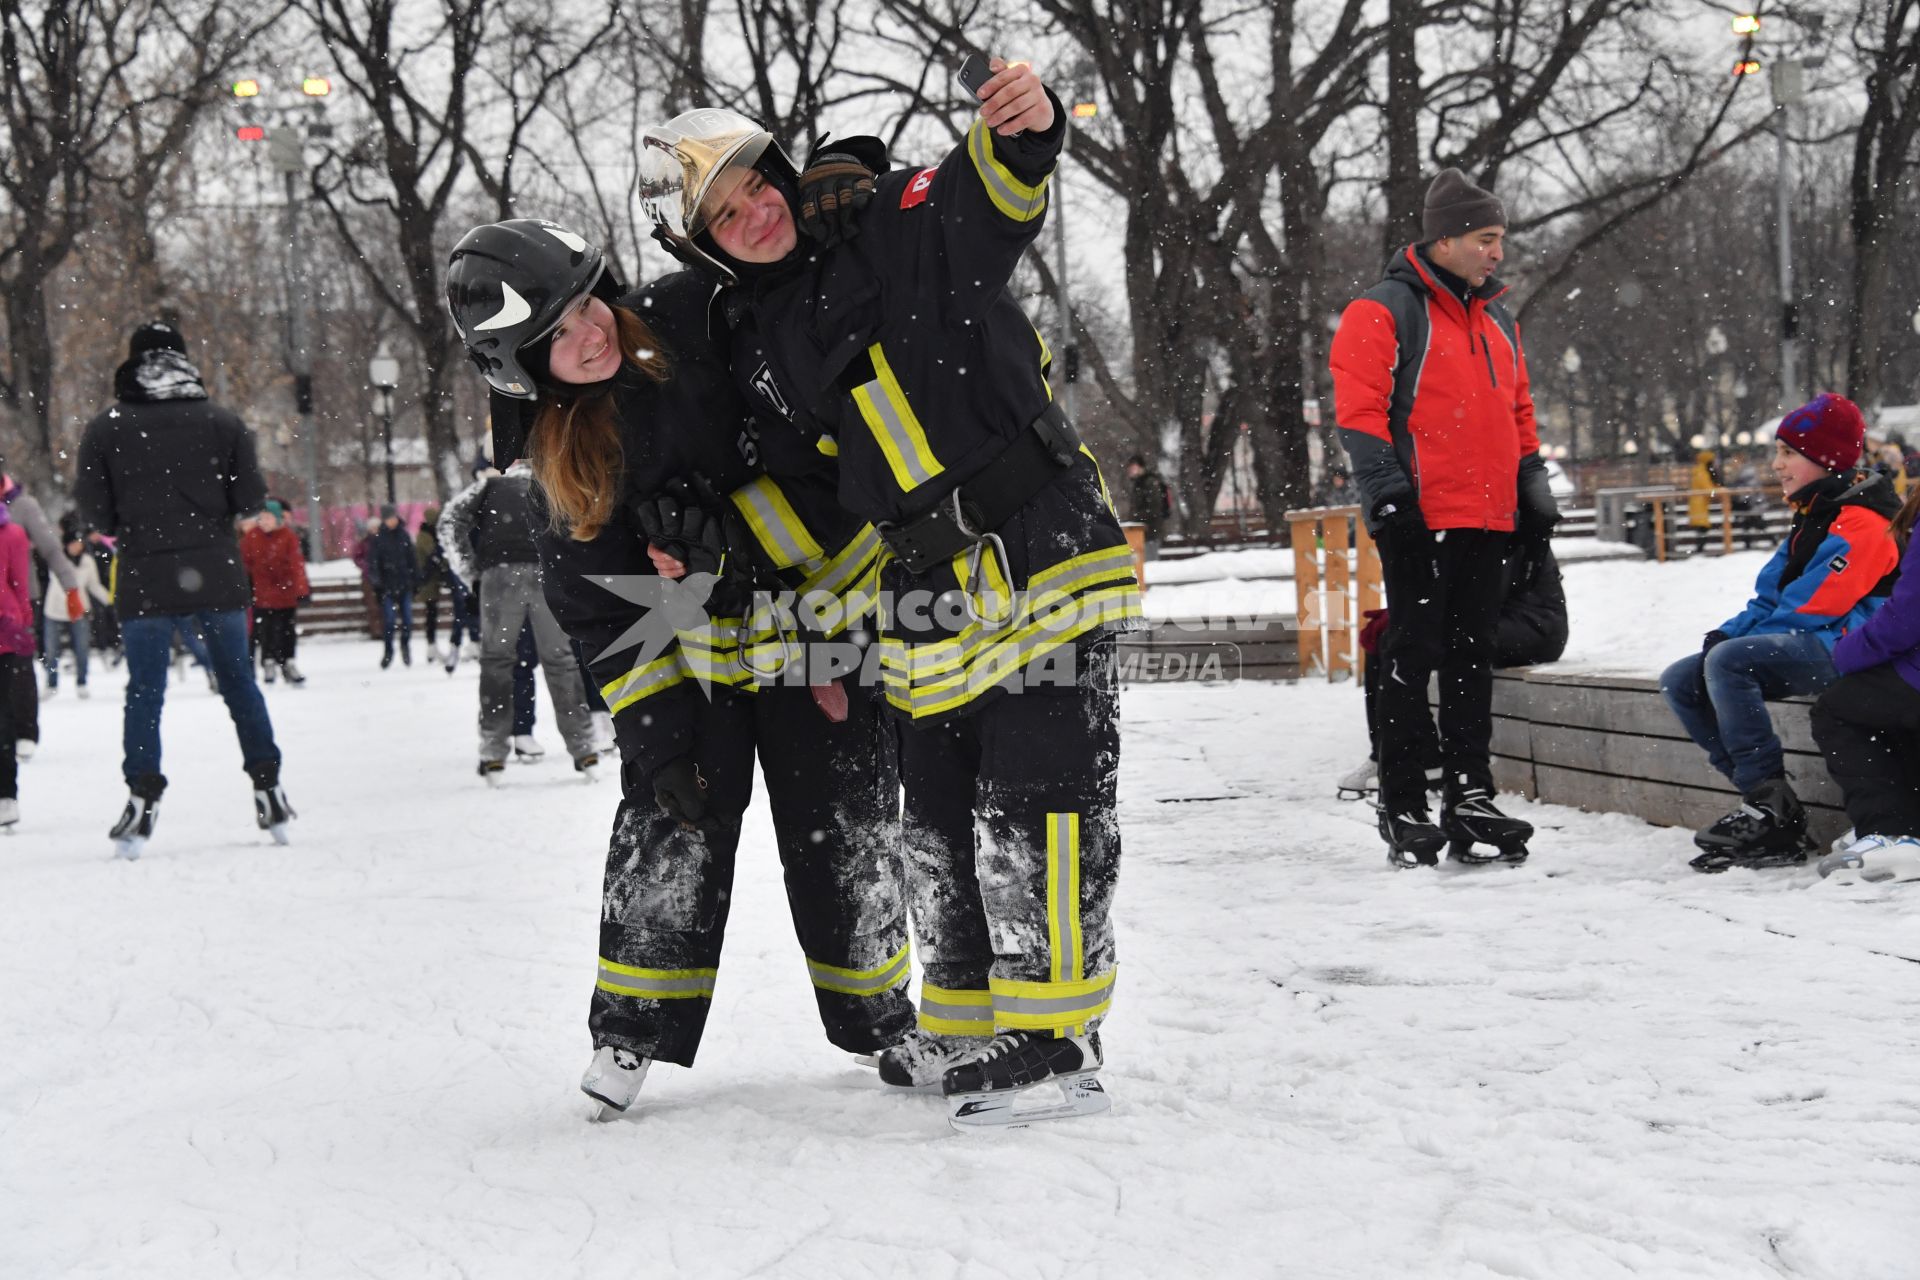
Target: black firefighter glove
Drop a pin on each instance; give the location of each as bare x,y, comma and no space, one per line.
681,794
683,530
1538,511
837,184
1398,524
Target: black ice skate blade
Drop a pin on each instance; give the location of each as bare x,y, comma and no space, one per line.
1057,1098
1354,793
1716,861
1467,854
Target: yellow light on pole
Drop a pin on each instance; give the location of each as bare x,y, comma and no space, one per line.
1085,110
1747,67
246,88
1746,24
316,86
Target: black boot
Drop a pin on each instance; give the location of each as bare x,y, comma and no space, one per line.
1412,839
1470,819
136,820
1769,829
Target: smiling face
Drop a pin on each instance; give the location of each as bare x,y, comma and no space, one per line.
1794,470
586,347
748,218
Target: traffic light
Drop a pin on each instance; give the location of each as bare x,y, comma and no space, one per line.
251,133
1746,24
1747,67
316,86
246,88
1085,110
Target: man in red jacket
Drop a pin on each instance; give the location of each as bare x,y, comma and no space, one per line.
1430,394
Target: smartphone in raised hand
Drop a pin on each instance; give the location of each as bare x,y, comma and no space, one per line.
972,74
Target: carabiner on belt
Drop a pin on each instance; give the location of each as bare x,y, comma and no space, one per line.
976,566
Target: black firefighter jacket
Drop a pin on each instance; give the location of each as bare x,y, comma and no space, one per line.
902,355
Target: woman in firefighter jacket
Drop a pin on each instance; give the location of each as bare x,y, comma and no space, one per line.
900,353
636,438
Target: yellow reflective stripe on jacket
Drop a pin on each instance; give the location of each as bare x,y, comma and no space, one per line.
883,404
945,1011
828,445
1059,1007
641,682
876,981
1064,942
1048,593
776,526
1011,196
656,984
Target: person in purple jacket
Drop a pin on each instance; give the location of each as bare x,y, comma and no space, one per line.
1868,726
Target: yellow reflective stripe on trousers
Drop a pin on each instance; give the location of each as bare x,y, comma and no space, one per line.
1059,1007
661,673
656,984
945,1011
776,525
883,404
876,981
1016,199
1064,943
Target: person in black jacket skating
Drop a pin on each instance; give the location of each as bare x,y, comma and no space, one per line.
167,472
394,575
644,456
901,353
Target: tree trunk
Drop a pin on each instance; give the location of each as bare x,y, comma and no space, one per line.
1404,191
30,347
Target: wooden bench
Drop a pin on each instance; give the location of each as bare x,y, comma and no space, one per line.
1261,648
1610,744
339,608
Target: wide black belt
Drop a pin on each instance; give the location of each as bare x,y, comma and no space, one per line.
988,499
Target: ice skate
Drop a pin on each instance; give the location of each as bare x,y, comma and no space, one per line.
1769,829
51,692
272,812
588,767
920,1060
386,658
23,749
406,653
1360,783
1471,821
453,658
9,814
1874,860
292,673
490,771
527,748
266,673
1412,840
81,692
135,828
613,1079
1025,1077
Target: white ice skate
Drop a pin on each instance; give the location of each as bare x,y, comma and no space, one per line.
9,815
81,692
292,673
613,1080
527,748
1874,860
1362,782
23,749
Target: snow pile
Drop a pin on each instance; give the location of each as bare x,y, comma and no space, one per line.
357,1056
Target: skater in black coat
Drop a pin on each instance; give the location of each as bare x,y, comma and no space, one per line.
645,461
394,575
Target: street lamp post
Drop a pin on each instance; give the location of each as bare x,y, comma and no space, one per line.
383,371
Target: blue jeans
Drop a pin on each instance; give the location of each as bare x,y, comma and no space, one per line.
1726,711
149,646
75,635
396,604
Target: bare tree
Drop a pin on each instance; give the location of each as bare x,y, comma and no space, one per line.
1886,37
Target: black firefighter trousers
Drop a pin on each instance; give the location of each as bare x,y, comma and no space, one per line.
1444,590
834,794
1012,843
1868,728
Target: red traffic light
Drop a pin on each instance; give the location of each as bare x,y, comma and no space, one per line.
1747,67
251,133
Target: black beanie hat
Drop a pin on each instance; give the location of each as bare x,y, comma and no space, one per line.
1454,206
156,335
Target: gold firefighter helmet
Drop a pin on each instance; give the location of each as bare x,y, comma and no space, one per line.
685,158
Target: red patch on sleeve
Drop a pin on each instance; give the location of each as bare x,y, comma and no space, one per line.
916,192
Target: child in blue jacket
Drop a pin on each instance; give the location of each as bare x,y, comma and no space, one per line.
1831,574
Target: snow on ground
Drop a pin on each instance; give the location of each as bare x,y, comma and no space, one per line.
357,1056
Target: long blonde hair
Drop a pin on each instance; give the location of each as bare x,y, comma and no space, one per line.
574,447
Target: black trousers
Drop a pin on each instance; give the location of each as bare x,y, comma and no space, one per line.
1012,843
22,693
9,764
1868,728
1443,595
273,634
834,793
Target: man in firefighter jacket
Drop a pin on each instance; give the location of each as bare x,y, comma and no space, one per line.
655,455
901,354
1431,397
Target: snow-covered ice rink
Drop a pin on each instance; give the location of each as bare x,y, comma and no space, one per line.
357,1056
